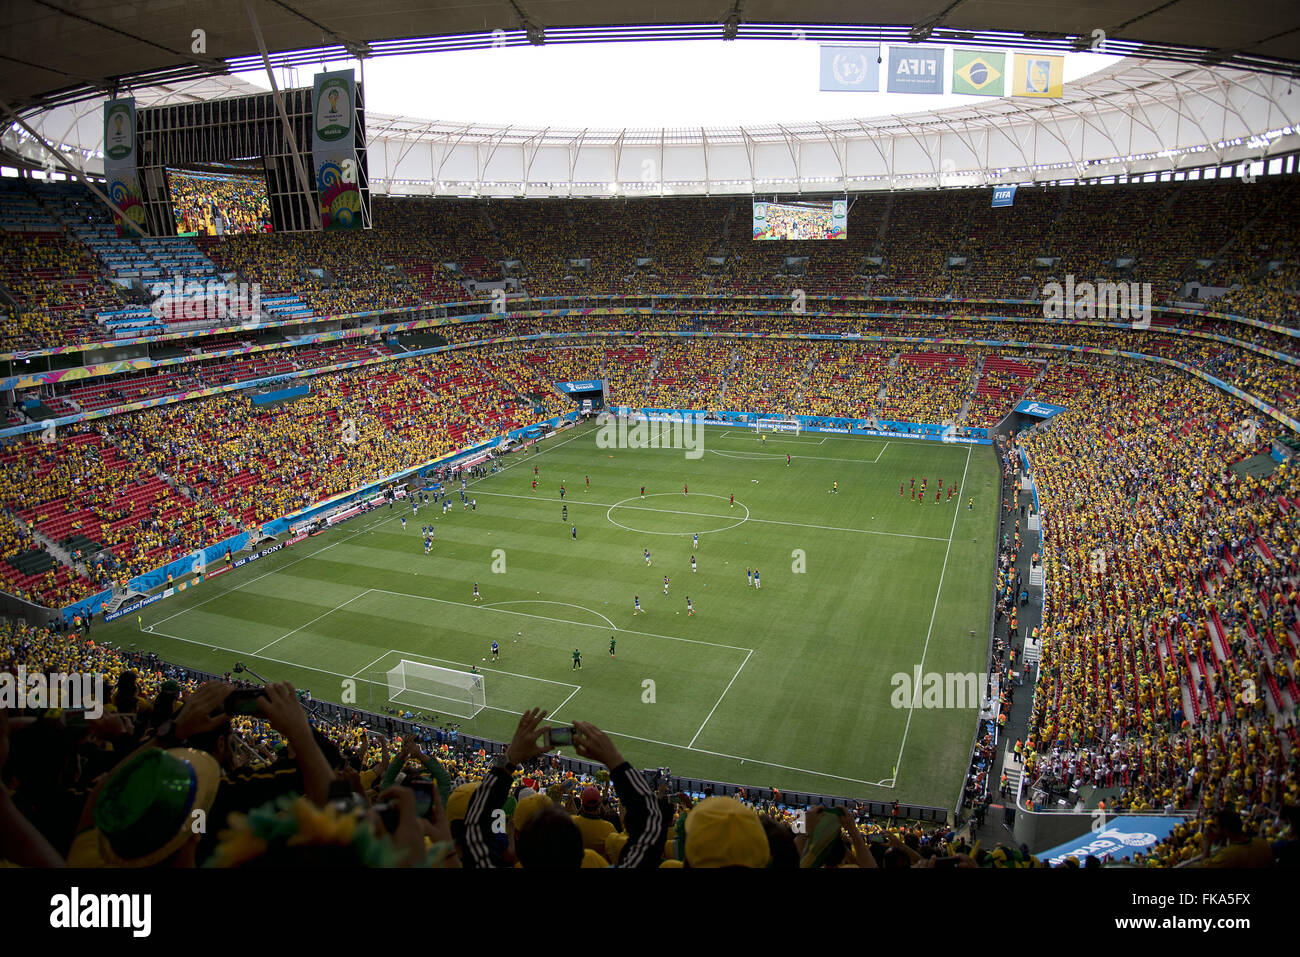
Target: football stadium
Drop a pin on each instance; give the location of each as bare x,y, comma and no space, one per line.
410,459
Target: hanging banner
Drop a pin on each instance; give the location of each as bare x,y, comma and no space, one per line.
1038,76
120,169
1042,410
1004,196
334,150
979,72
850,69
915,69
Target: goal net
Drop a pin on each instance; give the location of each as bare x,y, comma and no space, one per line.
790,426
446,690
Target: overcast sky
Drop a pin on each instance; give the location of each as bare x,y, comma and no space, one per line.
616,85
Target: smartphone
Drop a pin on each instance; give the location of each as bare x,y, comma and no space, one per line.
244,701
423,797
389,815
559,737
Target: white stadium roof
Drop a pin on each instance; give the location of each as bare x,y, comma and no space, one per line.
1133,118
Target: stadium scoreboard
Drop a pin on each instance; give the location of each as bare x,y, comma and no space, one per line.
315,166
801,220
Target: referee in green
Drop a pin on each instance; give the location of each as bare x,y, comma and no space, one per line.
611,646
577,660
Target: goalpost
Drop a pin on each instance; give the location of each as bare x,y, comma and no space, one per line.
777,424
447,690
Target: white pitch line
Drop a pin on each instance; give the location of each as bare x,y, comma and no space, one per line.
617,734
277,569
562,621
565,701
372,664
312,622
397,698
720,697
765,521
933,614
535,601
245,652
777,455
375,523
736,757
879,454
495,671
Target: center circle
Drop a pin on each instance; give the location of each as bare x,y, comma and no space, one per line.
701,531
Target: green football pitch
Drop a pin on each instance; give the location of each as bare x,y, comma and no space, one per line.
789,685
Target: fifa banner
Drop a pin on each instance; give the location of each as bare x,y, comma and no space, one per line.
839,219
979,72
1123,837
120,169
1038,76
593,385
334,150
850,69
1004,196
915,69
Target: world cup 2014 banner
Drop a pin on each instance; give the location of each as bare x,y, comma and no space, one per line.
120,169
334,150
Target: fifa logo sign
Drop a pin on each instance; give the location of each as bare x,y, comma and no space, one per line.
1128,301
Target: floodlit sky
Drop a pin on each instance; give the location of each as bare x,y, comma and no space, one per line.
632,85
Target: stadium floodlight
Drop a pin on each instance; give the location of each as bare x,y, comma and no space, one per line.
731,27
536,35
920,33
445,690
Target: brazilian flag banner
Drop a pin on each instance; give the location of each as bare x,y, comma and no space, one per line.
979,72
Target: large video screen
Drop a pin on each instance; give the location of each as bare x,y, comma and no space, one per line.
218,204
804,220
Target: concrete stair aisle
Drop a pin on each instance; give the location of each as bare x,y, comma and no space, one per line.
884,220
971,386
61,554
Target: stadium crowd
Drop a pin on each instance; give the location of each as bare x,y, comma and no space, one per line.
1169,637
294,785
